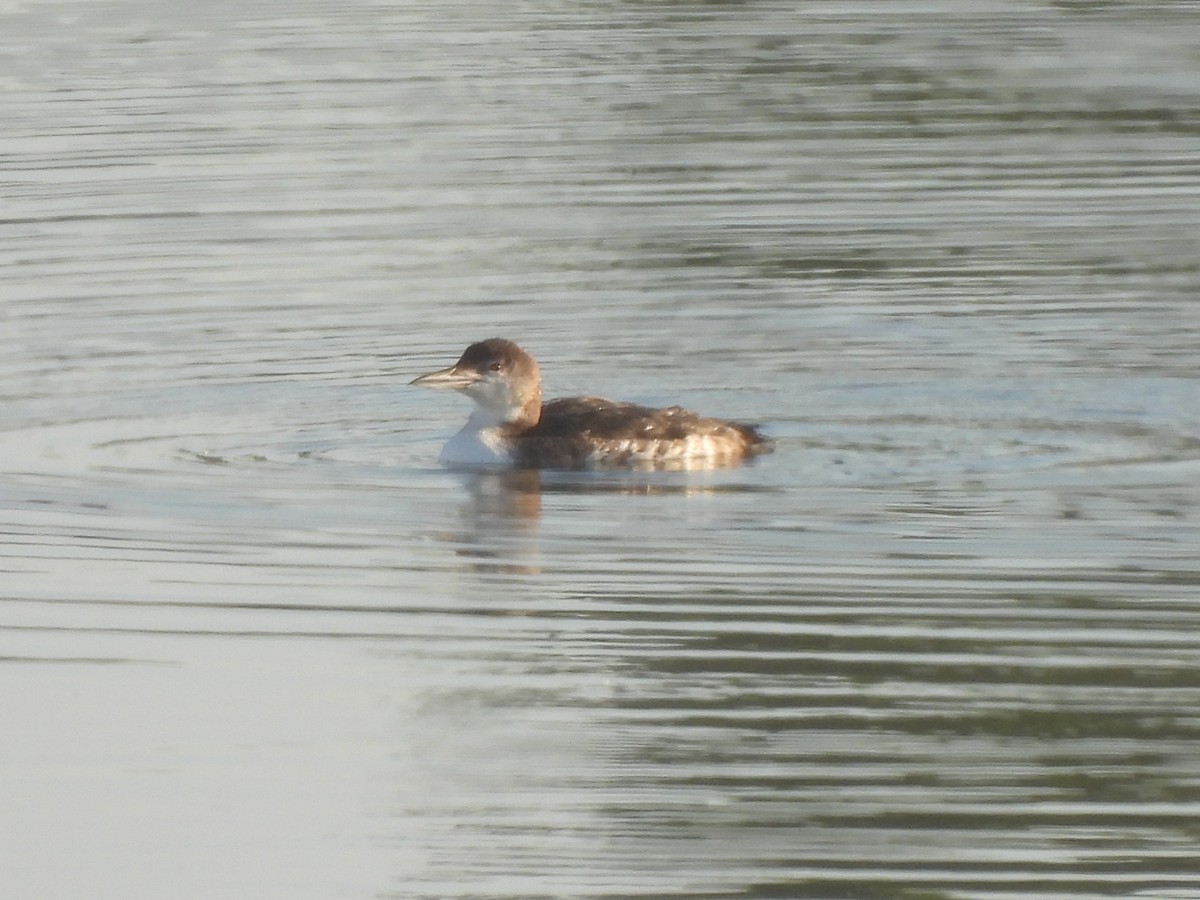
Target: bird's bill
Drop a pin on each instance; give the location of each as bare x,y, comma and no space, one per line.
452,379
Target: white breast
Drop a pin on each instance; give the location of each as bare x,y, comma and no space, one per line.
475,446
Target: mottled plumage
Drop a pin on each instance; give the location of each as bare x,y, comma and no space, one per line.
591,431
510,424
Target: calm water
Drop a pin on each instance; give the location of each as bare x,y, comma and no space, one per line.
941,644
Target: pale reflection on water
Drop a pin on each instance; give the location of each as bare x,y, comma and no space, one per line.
940,643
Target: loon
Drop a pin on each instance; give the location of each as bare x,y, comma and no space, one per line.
511,426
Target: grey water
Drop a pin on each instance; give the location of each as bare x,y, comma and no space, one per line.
942,642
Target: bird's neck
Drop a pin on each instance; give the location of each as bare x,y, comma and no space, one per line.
512,419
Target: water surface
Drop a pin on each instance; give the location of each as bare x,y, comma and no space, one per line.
940,643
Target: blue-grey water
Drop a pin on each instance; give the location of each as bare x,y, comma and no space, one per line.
943,643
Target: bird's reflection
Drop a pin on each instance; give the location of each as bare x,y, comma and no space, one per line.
500,520
504,500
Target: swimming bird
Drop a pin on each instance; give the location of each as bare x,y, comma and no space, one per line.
511,426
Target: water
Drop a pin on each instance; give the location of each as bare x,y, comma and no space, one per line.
941,643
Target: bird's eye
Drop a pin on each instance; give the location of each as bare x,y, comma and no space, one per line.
495,366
